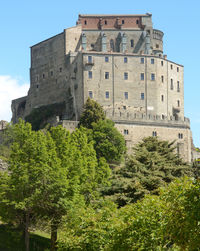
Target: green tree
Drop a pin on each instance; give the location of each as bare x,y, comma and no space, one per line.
93,112
22,186
108,141
152,165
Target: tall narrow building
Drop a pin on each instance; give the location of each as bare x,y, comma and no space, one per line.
118,61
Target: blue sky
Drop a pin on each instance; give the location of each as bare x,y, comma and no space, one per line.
24,23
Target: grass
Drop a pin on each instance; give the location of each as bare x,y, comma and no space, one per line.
11,240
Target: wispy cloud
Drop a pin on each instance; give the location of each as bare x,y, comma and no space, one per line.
10,88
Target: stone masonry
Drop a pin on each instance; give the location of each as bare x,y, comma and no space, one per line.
118,61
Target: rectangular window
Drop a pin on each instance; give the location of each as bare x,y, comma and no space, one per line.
89,59
107,94
43,76
177,69
152,60
152,76
125,59
161,63
51,73
171,66
142,60
172,85
162,98
106,59
90,74
125,132
178,86
106,75
154,133
123,22
142,96
142,76
125,75
162,79
132,43
180,135
178,103
90,94
126,95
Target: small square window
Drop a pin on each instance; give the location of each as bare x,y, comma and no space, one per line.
152,60
90,74
142,60
125,131
107,95
90,94
106,59
106,75
157,46
152,76
125,59
142,96
142,76
161,63
126,95
154,133
89,59
125,75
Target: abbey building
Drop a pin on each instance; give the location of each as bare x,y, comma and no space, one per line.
118,61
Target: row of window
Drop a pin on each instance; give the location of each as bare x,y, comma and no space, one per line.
107,95
106,22
45,75
154,134
126,59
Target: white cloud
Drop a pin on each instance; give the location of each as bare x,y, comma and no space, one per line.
10,88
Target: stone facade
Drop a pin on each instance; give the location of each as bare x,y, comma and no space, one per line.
118,61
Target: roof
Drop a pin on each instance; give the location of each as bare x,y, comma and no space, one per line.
115,15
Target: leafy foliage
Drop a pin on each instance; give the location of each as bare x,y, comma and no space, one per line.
39,116
92,113
152,165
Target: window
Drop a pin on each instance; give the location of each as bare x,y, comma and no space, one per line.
162,98
154,133
157,46
125,59
137,21
107,94
126,95
177,69
43,76
178,86
162,79
172,85
37,86
171,66
60,69
90,94
123,22
152,76
132,43
90,74
163,116
161,63
178,103
142,76
142,60
85,22
125,131
37,78
106,59
152,60
125,75
105,22
89,59
51,73
180,135
106,75
142,96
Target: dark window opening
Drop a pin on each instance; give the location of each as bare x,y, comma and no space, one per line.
123,22
132,43
85,22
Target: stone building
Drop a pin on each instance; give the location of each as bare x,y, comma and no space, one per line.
118,61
